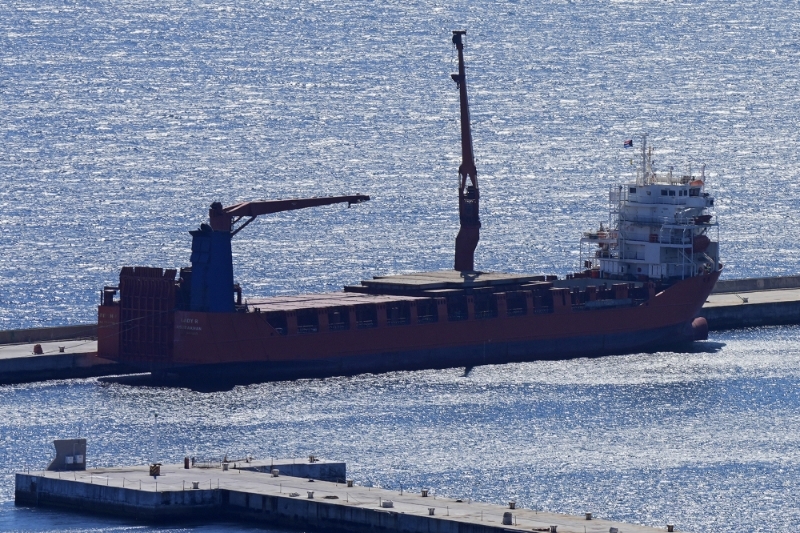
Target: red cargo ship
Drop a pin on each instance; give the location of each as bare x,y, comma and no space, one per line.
643,279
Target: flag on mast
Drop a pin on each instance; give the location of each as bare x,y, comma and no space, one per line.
628,143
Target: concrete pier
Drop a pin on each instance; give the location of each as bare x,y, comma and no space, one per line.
298,502
753,302
63,359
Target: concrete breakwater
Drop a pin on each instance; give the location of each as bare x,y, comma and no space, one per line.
62,352
753,302
21,336
247,495
756,284
57,360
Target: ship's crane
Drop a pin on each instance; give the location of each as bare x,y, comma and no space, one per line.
468,194
208,285
224,218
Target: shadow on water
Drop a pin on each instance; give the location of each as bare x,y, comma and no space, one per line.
65,519
225,382
703,347
173,381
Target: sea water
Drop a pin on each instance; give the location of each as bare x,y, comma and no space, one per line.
708,440
120,122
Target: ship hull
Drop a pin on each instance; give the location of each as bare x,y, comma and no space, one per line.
244,347
439,358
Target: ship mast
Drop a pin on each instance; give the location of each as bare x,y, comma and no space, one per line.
468,195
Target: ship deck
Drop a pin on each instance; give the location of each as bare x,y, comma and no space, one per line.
417,286
449,279
441,282
321,301
385,289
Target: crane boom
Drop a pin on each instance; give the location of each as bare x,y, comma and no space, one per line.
209,281
468,194
223,218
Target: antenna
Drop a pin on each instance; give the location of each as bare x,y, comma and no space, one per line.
644,159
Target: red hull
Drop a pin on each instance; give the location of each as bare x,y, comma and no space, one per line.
241,342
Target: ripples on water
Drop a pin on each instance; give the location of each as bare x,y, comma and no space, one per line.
121,121
708,440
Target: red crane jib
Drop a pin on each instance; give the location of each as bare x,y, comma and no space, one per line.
222,218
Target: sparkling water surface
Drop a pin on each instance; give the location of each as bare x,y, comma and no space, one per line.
708,440
120,122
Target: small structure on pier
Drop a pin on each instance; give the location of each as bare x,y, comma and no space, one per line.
70,455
